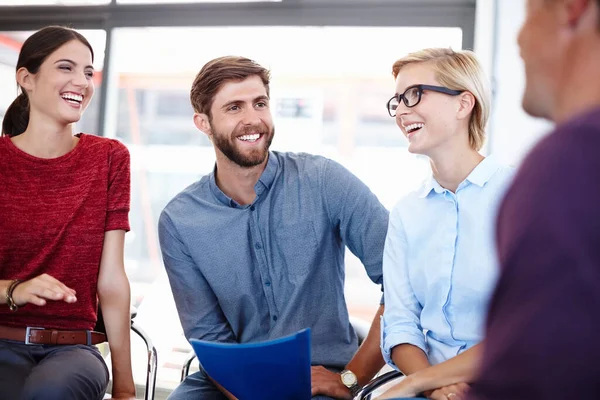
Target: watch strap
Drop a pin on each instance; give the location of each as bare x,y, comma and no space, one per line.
354,389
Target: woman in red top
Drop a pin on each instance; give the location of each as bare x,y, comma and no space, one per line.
64,208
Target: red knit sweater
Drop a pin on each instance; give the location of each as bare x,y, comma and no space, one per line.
53,216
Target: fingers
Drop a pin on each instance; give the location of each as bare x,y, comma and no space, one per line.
58,285
457,391
53,292
462,389
438,395
451,392
328,383
33,299
315,373
53,289
42,288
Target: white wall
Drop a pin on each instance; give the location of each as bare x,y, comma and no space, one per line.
512,132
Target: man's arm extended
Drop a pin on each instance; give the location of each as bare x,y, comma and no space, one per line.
365,364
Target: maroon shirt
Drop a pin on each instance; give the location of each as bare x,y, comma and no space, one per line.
543,329
53,216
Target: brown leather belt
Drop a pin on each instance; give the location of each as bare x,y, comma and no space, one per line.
33,335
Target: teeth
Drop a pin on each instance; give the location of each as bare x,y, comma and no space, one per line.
74,97
413,127
250,138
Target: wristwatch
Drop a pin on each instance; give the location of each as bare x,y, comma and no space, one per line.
350,381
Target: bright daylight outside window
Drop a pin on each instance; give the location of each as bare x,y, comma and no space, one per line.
193,1
327,99
52,2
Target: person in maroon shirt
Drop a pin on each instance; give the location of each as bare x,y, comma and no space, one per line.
64,208
543,323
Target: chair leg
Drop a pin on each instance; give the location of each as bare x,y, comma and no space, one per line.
185,371
152,362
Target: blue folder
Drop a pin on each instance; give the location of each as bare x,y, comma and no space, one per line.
276,369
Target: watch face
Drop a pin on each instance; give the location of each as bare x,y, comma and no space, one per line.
348,378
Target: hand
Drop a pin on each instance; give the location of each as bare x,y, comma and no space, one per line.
403,389
41,288
123,395
452,392
327,383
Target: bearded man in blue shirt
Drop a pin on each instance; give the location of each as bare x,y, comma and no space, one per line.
255,250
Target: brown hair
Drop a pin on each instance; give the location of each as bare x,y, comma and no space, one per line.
34,52
458,70
219,71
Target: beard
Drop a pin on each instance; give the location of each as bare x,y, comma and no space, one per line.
226,143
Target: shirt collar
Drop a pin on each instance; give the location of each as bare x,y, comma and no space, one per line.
482,173
264,182
429,185
268,176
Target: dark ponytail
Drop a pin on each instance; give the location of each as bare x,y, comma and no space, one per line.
16,117
35,50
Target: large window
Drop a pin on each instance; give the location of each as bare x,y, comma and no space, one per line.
329,90
192,1
53,2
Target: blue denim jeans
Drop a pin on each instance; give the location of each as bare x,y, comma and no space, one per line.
46,372
198,386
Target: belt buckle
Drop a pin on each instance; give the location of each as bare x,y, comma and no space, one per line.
28,333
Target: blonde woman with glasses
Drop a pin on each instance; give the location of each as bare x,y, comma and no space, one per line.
439,259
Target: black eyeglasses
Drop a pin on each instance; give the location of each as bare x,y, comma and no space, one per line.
412,96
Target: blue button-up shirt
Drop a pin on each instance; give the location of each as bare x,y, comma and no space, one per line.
440,264
265,270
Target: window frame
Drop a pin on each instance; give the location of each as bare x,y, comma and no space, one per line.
392,13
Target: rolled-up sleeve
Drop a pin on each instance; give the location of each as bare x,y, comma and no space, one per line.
198,307
401,318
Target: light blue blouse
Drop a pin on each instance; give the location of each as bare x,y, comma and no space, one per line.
439,264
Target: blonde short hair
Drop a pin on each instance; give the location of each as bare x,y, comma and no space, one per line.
458,70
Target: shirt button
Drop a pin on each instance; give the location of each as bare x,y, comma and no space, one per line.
274,317
251,208
268,283
258,246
